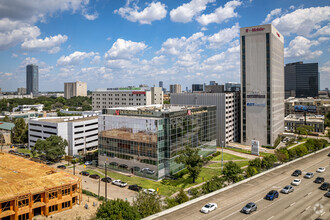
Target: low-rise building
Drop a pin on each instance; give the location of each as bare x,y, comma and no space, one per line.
149,138
310,105
81,132
29,96
124,97
25,108
293,121
29,189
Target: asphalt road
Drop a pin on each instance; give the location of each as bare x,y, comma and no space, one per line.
306,202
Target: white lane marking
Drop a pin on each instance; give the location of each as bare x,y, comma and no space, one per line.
228,215
250,215
259,200
292,204
270,218
307,208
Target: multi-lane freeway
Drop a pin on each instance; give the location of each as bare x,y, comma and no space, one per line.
306,202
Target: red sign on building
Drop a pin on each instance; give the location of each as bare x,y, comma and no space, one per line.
142,93
117,112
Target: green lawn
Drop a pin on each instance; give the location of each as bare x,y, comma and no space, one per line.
166,187
227,156
239,163
23,150
248,151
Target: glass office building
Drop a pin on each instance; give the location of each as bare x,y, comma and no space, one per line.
32,79
146,140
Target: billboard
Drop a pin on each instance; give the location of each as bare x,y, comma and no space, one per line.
305,108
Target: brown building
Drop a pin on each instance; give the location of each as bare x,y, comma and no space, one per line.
28,189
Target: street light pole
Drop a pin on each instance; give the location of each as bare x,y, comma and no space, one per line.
106,192
222,156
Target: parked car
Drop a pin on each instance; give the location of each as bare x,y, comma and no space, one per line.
135,187
296,173
61,167
94,176
272,195
84,173
325,186
250,207
319,180
113,164
124,166
88,163
148,171
119,183
106,179
287,189
136,168
209,207
149,191
27,155
11,151
327,194
296,182
309,175
320,170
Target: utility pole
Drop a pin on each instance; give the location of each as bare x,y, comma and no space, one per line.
106,192
98,194
74,168
222,156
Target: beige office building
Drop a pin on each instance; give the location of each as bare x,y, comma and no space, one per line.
176,88
262,84
75,89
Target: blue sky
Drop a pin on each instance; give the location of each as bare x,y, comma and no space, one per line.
112,43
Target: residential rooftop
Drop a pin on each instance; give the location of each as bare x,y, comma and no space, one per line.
19,176
66,119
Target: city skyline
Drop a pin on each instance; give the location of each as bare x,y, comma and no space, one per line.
113,43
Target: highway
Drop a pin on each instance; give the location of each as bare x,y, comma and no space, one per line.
306,202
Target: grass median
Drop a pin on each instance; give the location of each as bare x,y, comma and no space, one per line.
227,156
248,151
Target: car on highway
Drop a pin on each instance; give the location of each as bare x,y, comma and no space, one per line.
84,173
94,176
272,195
88,163
106,179
287,189
296,182
327,194
309,175
250,207
209,207
319,180
296,173
61,167
320,170
135,188
119,183
149,191
325,186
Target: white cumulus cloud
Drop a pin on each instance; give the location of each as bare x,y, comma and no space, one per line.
300,48
75,58
123,49
49,44
185,13
221,14
271,15
302,21
153,12
224,36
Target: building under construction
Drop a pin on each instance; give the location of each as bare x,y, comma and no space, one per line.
28,189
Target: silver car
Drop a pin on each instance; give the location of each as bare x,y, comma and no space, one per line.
287,189
250,207
309,175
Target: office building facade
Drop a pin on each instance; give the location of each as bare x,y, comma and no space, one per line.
197,87
21,91
32,79
124,97
73,89
232,87
81,132
262,81
227,113
150,137
176,88
301,80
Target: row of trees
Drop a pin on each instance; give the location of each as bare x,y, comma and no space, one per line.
84,103
257,165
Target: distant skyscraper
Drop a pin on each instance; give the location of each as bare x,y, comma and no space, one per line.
197,88
262,79
301,80
176,88
21,91
161,84
75,89
232,87
212,83
32,79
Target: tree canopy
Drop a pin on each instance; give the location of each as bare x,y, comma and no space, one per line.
147,204
192,160
117,209
20,131
231,172
52,147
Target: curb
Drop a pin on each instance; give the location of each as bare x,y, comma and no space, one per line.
227,187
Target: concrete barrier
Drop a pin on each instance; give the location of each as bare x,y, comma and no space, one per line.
175,208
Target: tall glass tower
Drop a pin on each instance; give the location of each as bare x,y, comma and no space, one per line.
32,79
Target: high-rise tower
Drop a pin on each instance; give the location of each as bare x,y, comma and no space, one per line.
32,79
